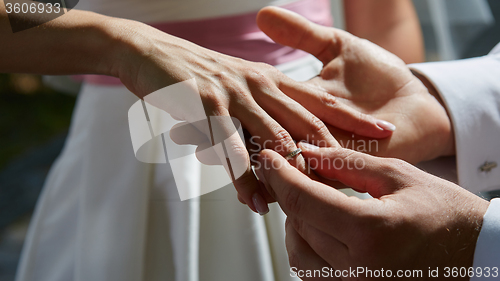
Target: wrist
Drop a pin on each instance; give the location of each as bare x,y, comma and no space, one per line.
466,231
444,136
123,46
79,43
138,55
94,37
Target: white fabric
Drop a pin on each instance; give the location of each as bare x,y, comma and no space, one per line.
152,11
105,216
488,244
471,91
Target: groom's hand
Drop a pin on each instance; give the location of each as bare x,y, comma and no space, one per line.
370,80
414,221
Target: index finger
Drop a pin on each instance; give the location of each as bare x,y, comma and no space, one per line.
320,205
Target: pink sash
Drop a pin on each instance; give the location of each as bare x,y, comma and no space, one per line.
236,36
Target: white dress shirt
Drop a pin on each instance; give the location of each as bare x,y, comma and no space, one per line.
470,90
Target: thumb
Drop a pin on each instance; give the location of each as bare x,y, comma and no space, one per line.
290,29
360,171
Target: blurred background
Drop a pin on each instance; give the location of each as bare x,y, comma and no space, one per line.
35,111
33,125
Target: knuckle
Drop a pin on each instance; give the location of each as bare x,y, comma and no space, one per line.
215,108
362,118
387,165
284,141
318,126
255,73
393,169
394,164
262,74
222,76
267,67
403,173
238,152
404,166
213,103
329,100
209,94
349,156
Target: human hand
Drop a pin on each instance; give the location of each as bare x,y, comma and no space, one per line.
415,220
251,92
370,80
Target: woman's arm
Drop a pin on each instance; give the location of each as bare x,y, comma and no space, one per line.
391,24
77,42
146,60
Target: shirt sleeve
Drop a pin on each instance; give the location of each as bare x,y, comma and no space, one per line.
487,254
470,90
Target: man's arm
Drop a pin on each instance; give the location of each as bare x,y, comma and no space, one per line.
470,91
415,221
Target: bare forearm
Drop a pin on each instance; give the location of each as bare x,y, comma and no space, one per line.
391,24
77,42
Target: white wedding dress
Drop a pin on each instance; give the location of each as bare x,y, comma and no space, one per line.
105,216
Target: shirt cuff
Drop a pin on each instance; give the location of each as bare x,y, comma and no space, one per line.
470,89
487,254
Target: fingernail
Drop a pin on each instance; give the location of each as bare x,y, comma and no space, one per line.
308,146
260,204
384,125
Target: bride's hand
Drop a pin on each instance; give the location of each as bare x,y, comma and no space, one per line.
146,60
251,92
